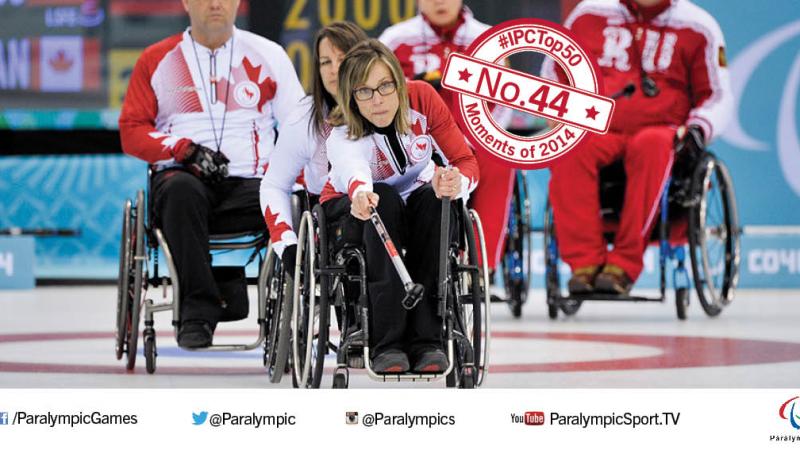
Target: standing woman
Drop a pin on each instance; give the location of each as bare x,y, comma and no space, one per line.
384,135
301,144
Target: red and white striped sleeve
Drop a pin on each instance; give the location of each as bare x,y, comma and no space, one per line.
350,171
709,78
137,130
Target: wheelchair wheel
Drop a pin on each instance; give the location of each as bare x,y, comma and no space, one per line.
714,235
471,308
681,302
516,264
123,281
552,276
279,316
309,313
340,381
150,353
132,280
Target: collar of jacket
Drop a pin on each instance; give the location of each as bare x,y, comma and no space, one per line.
449,32
646,13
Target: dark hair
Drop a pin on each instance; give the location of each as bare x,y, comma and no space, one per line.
343,35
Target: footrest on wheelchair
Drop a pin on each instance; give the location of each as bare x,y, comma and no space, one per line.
497,299
600,296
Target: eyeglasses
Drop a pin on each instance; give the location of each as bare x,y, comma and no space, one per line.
366,93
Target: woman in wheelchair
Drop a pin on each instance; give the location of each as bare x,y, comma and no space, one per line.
381,148
300,149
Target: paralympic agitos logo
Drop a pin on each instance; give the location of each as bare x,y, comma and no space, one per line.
787,412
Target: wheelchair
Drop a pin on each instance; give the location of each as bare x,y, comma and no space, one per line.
516,264
139,267
698,208
331,276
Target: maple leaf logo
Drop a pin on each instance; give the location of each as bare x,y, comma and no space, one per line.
249,93
276,228
421,145
60,62
416,128
267,87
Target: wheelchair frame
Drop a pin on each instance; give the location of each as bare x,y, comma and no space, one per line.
708,176
334,274
516,262
140,243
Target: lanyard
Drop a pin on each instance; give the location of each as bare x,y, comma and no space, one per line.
212,98
647,84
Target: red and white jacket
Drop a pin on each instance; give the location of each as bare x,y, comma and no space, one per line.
171,100
299,150
356,164
681,47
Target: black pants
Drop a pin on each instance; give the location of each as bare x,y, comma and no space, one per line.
414,226
187,211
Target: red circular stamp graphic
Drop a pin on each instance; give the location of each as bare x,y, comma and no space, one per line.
479,77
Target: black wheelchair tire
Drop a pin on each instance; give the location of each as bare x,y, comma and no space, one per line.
123,280
520,240
711,167
315,373
135,300
681,302
278,332
150,353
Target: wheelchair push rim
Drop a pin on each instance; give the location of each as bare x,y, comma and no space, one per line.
131,281
124,280
309,312
278,316
714,239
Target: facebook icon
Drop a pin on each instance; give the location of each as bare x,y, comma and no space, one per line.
3,418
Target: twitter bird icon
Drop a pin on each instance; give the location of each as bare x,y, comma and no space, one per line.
200,418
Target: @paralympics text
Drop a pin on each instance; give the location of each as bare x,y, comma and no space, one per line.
91,418
407,420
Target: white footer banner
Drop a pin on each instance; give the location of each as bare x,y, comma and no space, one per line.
392,418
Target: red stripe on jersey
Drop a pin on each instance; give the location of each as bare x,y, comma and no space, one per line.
329,193
352,187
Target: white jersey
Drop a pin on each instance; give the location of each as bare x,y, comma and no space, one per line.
232,97
299,149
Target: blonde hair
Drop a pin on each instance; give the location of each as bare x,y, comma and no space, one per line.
353,73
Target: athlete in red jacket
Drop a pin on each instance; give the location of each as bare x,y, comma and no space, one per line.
673,52
422,44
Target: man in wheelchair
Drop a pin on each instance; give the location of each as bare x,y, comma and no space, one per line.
380,153
673,53
201,107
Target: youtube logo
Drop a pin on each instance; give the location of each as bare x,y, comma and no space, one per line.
534,418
